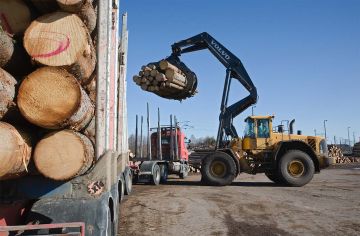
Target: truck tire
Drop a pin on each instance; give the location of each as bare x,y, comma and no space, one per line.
296,168
128,181
163,174
121,189
155,180
184,174
110,230
218,169
273,177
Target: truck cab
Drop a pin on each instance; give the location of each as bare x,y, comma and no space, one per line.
169,137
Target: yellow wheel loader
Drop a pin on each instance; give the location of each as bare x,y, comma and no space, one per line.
285,158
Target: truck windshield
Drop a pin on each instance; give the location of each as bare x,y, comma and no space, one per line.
249,129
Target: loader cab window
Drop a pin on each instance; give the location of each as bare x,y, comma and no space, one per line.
249,128
263,128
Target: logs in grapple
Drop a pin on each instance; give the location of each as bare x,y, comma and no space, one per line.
52,98
167,80
63,155
15,152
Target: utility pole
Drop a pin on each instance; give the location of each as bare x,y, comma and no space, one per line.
354,137
148,132
325,129
315,131
348,128
141,137
252,110
136,136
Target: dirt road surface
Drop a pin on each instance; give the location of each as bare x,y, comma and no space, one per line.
252,205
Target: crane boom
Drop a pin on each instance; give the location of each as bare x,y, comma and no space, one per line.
234,69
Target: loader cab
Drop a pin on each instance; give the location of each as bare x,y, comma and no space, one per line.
258,130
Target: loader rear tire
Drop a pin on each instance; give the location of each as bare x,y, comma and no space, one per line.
218,169
296,168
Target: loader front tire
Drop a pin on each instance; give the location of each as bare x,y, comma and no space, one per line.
218,169
273,177
296,168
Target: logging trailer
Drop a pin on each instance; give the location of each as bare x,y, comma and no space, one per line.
166,153
92,200
286,158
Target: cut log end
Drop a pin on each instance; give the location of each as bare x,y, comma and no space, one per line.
61,39
63,155
52,98
15,152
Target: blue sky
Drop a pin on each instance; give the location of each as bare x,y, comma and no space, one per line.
302,55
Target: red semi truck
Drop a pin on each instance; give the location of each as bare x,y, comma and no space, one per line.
166,154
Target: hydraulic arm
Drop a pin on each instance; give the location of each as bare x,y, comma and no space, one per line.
234,69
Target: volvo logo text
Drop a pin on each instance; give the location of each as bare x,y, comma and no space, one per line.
220,50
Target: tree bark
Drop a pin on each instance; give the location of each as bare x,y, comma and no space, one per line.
90,130
52,98
15,16
83,8
61,39
7,92
15,152
173,75
13,56
63,155
71,5
164,65
91,90
6,48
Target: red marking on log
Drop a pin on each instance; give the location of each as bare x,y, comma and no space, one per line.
64,44
5,23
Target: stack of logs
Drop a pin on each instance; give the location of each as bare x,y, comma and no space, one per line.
338,156
166,80
47,87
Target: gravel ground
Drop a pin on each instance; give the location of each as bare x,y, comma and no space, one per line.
252,205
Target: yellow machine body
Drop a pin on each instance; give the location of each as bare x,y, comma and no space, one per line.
261,141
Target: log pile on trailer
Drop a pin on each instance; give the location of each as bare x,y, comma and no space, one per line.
166,80
48,83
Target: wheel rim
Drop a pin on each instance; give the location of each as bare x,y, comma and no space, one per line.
218,169
296,168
